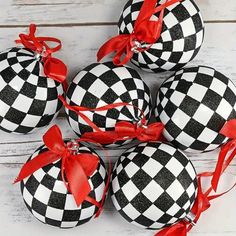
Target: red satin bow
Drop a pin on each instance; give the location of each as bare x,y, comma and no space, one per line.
201,204
53,67
145,31
229,131
125,130
76,167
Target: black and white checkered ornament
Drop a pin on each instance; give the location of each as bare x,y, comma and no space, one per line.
47,198
102,84
194,105
180,40
28,99
154,185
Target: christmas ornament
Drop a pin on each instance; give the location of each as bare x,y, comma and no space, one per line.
30,82
154,185
194,105
102,95
63,185
157,35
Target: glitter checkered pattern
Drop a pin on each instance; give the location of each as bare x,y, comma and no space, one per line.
47,198
194,104
181,37
154,185
28,99
101,84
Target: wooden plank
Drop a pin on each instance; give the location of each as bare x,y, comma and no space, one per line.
21,12
78,52
218,220
80,45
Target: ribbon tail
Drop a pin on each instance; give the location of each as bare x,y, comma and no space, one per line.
36,163
77,180
219,167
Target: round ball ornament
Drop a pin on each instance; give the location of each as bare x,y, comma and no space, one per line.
102,84
194,104
51,202
154,185
28,91
180,39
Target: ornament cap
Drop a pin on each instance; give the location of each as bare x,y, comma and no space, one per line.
190,217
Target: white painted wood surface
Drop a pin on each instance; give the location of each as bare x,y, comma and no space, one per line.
83,25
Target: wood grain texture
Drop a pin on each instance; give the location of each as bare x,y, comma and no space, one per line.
80,45
83,25
16,218
67,12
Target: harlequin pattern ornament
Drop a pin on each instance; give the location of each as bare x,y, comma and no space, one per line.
104,84
30,82
154,185
194,104
46,192
157,35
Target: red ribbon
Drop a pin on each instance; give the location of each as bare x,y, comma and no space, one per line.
145,31
76,167
229,131
201,204
124,130
53,67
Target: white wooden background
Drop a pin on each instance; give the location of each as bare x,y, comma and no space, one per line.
83,25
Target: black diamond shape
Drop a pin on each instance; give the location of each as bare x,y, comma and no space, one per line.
185,179
183,199
121,198
142,220
52,222
8,74
164,178
97,180
141,179
109,96
71,215
48,181
194,128
39,207
172,129
161,156
203,79
8,95
89,100
211,99
57,200
164,202
32,184
216,122
189,105
141,203
140,159
199,145
123,178
165,218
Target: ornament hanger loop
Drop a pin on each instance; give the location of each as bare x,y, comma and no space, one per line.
190,217
73,146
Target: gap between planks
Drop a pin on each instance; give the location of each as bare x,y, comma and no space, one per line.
101,24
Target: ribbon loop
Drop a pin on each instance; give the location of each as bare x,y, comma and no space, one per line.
146,30
53,67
